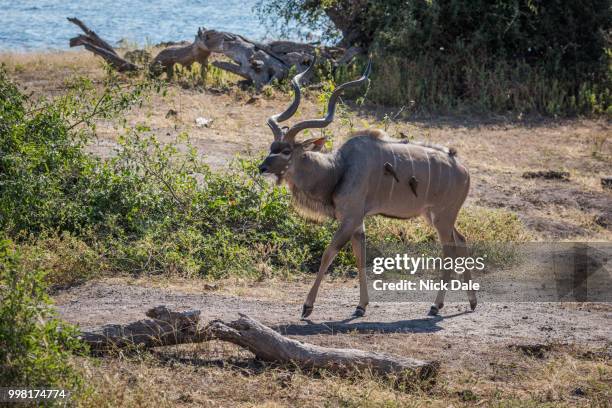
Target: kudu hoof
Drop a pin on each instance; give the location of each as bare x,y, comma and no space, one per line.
359,311
433,310
473,304
306,311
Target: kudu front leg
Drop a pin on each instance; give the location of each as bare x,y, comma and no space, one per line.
341,237
447,251
453,245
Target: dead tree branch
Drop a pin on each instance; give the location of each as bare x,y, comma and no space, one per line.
257,62
92,42
167,327
262,63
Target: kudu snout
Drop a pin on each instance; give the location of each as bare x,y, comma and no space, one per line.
263,167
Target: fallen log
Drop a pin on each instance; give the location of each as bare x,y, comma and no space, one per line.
268,345
167,327
185,55
92,42
261,63
250,60
257,62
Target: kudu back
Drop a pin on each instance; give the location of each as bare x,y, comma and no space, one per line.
369,174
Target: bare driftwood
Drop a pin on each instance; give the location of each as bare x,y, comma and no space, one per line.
251,60
169,328
92,42
261,63
257,62
185,55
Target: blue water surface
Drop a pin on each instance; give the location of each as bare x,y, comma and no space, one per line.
42,24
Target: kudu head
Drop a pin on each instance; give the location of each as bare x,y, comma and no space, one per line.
284,147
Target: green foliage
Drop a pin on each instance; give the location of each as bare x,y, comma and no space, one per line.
291,17
42,159
150,207
551,57
35,347
168,212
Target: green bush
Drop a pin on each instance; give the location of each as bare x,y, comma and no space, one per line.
551,57
35,347
150,207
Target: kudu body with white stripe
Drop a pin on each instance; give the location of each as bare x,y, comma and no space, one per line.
369,174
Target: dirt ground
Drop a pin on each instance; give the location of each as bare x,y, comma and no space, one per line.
122,301
496,150
502,354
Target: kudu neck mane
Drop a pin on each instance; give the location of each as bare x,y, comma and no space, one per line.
312,179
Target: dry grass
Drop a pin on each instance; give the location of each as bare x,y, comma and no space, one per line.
216,374
45,73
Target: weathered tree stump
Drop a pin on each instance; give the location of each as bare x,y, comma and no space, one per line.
170,328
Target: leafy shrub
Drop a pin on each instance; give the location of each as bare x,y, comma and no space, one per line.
551,57
151,207
43,165
67,259
35,347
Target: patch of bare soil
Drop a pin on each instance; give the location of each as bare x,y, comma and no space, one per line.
103,302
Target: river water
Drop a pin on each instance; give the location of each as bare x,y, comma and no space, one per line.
42,25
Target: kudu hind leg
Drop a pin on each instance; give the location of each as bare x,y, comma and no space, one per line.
462,250
358,244
341,237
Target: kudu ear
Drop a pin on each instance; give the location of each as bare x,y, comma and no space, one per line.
317,143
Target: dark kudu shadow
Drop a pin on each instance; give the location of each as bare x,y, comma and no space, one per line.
425,325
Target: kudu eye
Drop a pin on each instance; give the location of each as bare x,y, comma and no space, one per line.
286,152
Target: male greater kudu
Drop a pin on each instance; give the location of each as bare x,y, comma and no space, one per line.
353,182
